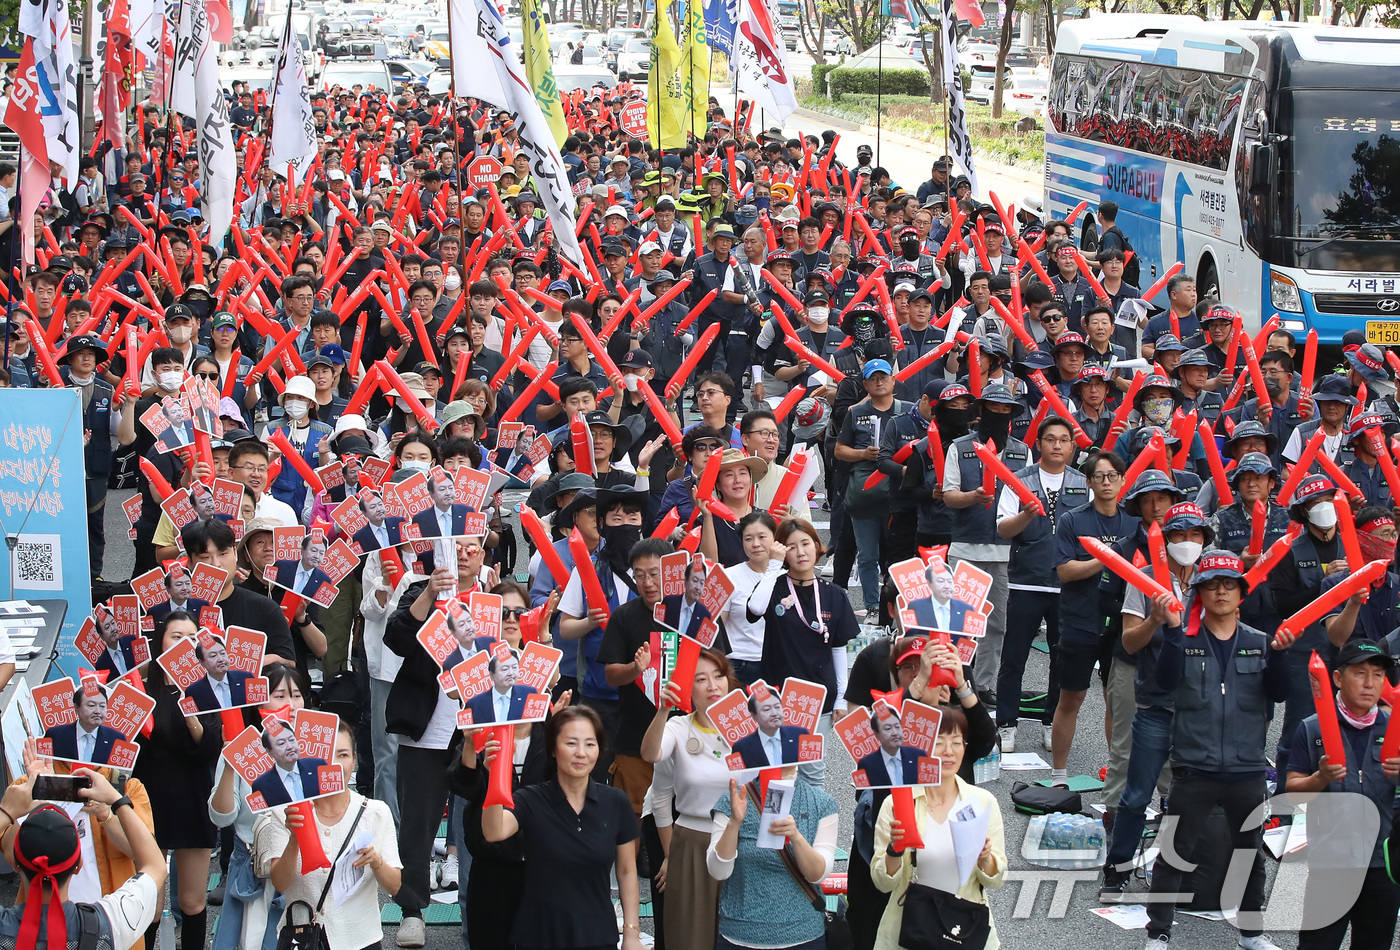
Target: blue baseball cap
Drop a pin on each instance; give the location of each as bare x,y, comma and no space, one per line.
877,366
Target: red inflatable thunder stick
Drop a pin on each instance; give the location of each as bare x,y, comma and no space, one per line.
1124,569
502,770
1326,703
313,856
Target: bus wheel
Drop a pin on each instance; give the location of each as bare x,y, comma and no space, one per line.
1207,281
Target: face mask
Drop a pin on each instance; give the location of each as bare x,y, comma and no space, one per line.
1184,552
763,203
621,537
170,380
452,282
296,409
1157,411
994,427
910,247
1322,516
200,308
77,380
179,335
952,423
1375,549
413,466
1274,386
863,331
630,381
818,316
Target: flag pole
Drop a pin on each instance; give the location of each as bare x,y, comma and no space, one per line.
879,86
457,149
15,238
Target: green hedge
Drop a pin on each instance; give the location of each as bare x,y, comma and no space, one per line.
819,71
894,82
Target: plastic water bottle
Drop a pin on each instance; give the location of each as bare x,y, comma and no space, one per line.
994,766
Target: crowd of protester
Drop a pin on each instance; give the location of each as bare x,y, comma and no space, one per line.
741,303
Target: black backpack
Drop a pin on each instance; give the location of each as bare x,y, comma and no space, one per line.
1132,271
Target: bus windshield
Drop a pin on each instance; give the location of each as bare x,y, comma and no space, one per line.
1345,169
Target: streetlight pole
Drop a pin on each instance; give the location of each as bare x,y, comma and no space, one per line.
86,88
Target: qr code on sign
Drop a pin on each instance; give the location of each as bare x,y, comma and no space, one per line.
35,563
38,562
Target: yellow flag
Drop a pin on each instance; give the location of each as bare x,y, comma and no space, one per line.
667,119
540,70
696,82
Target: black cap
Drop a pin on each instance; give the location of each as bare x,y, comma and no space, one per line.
638,359
1363,651
46,833
85,341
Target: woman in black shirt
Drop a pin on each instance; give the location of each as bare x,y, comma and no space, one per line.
807,621
719,538
572,832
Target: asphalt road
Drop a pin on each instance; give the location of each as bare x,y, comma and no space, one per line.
1037,907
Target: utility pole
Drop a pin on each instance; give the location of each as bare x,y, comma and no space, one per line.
86,88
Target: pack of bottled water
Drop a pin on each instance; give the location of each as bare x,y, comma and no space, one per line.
1067,842
987,768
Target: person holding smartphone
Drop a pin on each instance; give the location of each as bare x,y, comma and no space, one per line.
44,845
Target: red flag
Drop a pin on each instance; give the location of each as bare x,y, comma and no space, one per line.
24,118
220,20
119,73
969,11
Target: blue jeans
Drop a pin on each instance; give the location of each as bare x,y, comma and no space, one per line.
386,748
746,671
1152,744
868,534
240,887
456,835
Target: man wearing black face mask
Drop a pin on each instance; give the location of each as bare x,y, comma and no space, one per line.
910,502
911,250
1282,411
975,537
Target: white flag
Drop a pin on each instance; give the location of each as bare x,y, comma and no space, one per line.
147,24
293,127
760,61
57,80
200,98
958,139
471,52
494,75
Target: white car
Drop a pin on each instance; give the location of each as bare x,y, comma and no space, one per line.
569,78
634,59
1023,89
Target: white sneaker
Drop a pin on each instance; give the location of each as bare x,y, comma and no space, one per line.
1008,739
412,933
447,878
1260,942
1157,943
1047,736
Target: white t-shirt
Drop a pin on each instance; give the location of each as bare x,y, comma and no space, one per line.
745,638
131,908
355,922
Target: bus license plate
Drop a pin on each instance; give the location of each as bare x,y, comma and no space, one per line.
1383,332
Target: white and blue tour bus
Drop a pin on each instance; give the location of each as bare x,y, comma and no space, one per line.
1265,156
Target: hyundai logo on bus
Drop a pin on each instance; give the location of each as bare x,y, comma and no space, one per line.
1388,305
1127,180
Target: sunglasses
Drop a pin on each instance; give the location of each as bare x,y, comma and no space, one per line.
212,377
513,613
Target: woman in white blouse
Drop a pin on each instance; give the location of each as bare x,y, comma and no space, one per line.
354,924
764,557
691,775
935,865
248,919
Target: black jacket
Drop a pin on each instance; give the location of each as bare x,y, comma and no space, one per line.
413,697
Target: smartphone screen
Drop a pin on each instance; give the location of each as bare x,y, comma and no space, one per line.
60,788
